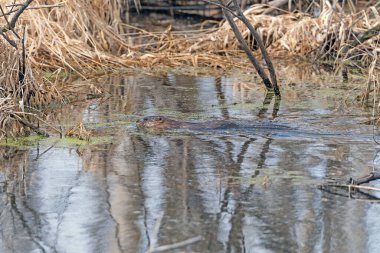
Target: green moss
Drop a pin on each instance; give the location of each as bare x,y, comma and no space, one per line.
21,142
75,142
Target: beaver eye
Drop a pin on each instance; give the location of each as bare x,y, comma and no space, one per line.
160,118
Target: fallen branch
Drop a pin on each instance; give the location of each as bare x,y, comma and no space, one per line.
30,8
15,17
355,185
351,191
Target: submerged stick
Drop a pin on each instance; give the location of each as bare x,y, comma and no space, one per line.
247,50
355,185
156,229
177,244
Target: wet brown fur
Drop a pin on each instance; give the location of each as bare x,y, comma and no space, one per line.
158,122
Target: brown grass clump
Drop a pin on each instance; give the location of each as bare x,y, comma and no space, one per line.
79,131
59,37
12,94
18,95
76,35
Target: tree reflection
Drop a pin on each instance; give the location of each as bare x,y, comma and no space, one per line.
242,191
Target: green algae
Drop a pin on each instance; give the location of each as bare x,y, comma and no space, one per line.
23,142
69,142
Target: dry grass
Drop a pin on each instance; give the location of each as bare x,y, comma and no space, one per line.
297,33
86,41
59,37
291,34
62,37
16,97
10,90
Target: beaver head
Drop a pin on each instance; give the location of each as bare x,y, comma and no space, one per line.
158,122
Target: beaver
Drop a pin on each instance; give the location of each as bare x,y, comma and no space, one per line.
158,122
163,123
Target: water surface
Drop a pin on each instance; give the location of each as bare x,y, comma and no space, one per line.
242,191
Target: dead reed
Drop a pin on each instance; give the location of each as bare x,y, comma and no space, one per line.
86,41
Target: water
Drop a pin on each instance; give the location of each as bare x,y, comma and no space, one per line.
239,190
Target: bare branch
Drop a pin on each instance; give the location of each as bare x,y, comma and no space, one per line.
18,13
12,23
263,50
228,12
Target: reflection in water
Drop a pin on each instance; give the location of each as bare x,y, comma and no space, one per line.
240,191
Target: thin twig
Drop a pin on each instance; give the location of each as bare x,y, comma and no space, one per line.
177,244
